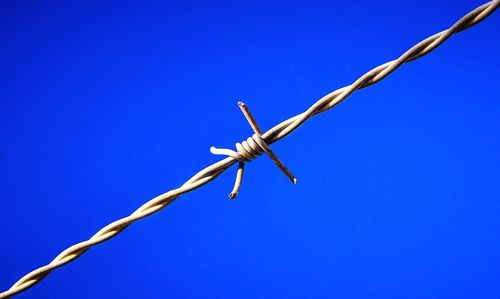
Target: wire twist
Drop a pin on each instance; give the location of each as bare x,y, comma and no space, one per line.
274,134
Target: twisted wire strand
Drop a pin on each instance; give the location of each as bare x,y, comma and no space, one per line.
274,134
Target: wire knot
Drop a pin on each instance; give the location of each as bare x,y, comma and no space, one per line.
250,149
246,151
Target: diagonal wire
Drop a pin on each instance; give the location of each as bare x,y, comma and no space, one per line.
274,134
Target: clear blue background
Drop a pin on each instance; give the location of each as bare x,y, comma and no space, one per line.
105,105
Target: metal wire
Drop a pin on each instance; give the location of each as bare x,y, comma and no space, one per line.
274,134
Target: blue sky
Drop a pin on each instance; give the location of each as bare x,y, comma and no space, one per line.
105,105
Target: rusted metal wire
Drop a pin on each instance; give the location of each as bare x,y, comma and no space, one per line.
274,134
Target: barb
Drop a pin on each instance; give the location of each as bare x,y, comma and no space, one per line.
274,134
249,150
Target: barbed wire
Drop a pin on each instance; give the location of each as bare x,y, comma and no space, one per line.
262,140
